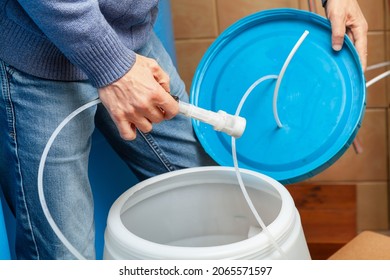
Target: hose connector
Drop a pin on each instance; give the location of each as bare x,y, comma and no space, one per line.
220,121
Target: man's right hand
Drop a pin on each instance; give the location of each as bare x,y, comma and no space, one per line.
140,98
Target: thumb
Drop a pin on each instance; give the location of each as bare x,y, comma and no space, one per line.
338,32
162,78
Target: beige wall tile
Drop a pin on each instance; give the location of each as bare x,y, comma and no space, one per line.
388,68
374,11
318,9
388,45
376,47
230,11
376,94
371,165
372,206
194,19
189,53
388,145
387,14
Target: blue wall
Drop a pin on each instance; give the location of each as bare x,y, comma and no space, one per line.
109,176
4,247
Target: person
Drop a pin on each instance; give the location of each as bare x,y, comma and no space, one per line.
58,55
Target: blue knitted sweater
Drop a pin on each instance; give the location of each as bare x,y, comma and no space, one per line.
72,40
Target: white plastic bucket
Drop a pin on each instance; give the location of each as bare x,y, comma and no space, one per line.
200,213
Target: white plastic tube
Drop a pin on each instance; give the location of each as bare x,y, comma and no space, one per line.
238,173
377,78
233,140
281,74
378,65
41,193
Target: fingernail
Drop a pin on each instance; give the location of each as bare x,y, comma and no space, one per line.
337,47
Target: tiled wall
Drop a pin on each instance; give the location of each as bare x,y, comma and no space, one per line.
198,23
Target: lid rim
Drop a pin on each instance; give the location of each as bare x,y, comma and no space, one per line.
236,29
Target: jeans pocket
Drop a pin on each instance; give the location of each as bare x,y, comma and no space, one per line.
6,69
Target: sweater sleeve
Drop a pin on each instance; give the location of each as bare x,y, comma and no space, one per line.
83,35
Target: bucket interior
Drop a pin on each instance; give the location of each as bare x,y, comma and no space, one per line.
198,214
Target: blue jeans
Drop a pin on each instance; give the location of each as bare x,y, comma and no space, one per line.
30,110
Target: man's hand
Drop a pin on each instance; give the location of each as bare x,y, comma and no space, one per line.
139,99
346,17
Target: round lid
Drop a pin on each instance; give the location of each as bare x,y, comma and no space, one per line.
320,101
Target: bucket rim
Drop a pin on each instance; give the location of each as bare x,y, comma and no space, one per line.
143,248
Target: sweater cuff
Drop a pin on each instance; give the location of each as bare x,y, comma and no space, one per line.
105,61
324,3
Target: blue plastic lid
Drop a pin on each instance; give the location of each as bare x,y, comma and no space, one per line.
321,100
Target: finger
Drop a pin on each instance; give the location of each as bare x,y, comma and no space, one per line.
169,107
338,32
155,114
350,35
360,41
156,106
126,130
144,125
171,113
162,78
165,107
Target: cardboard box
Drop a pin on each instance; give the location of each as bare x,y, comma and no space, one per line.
367,245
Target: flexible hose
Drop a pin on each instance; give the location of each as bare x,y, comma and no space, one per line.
377,78
378,65
275,112
238,173
281,75
41,193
